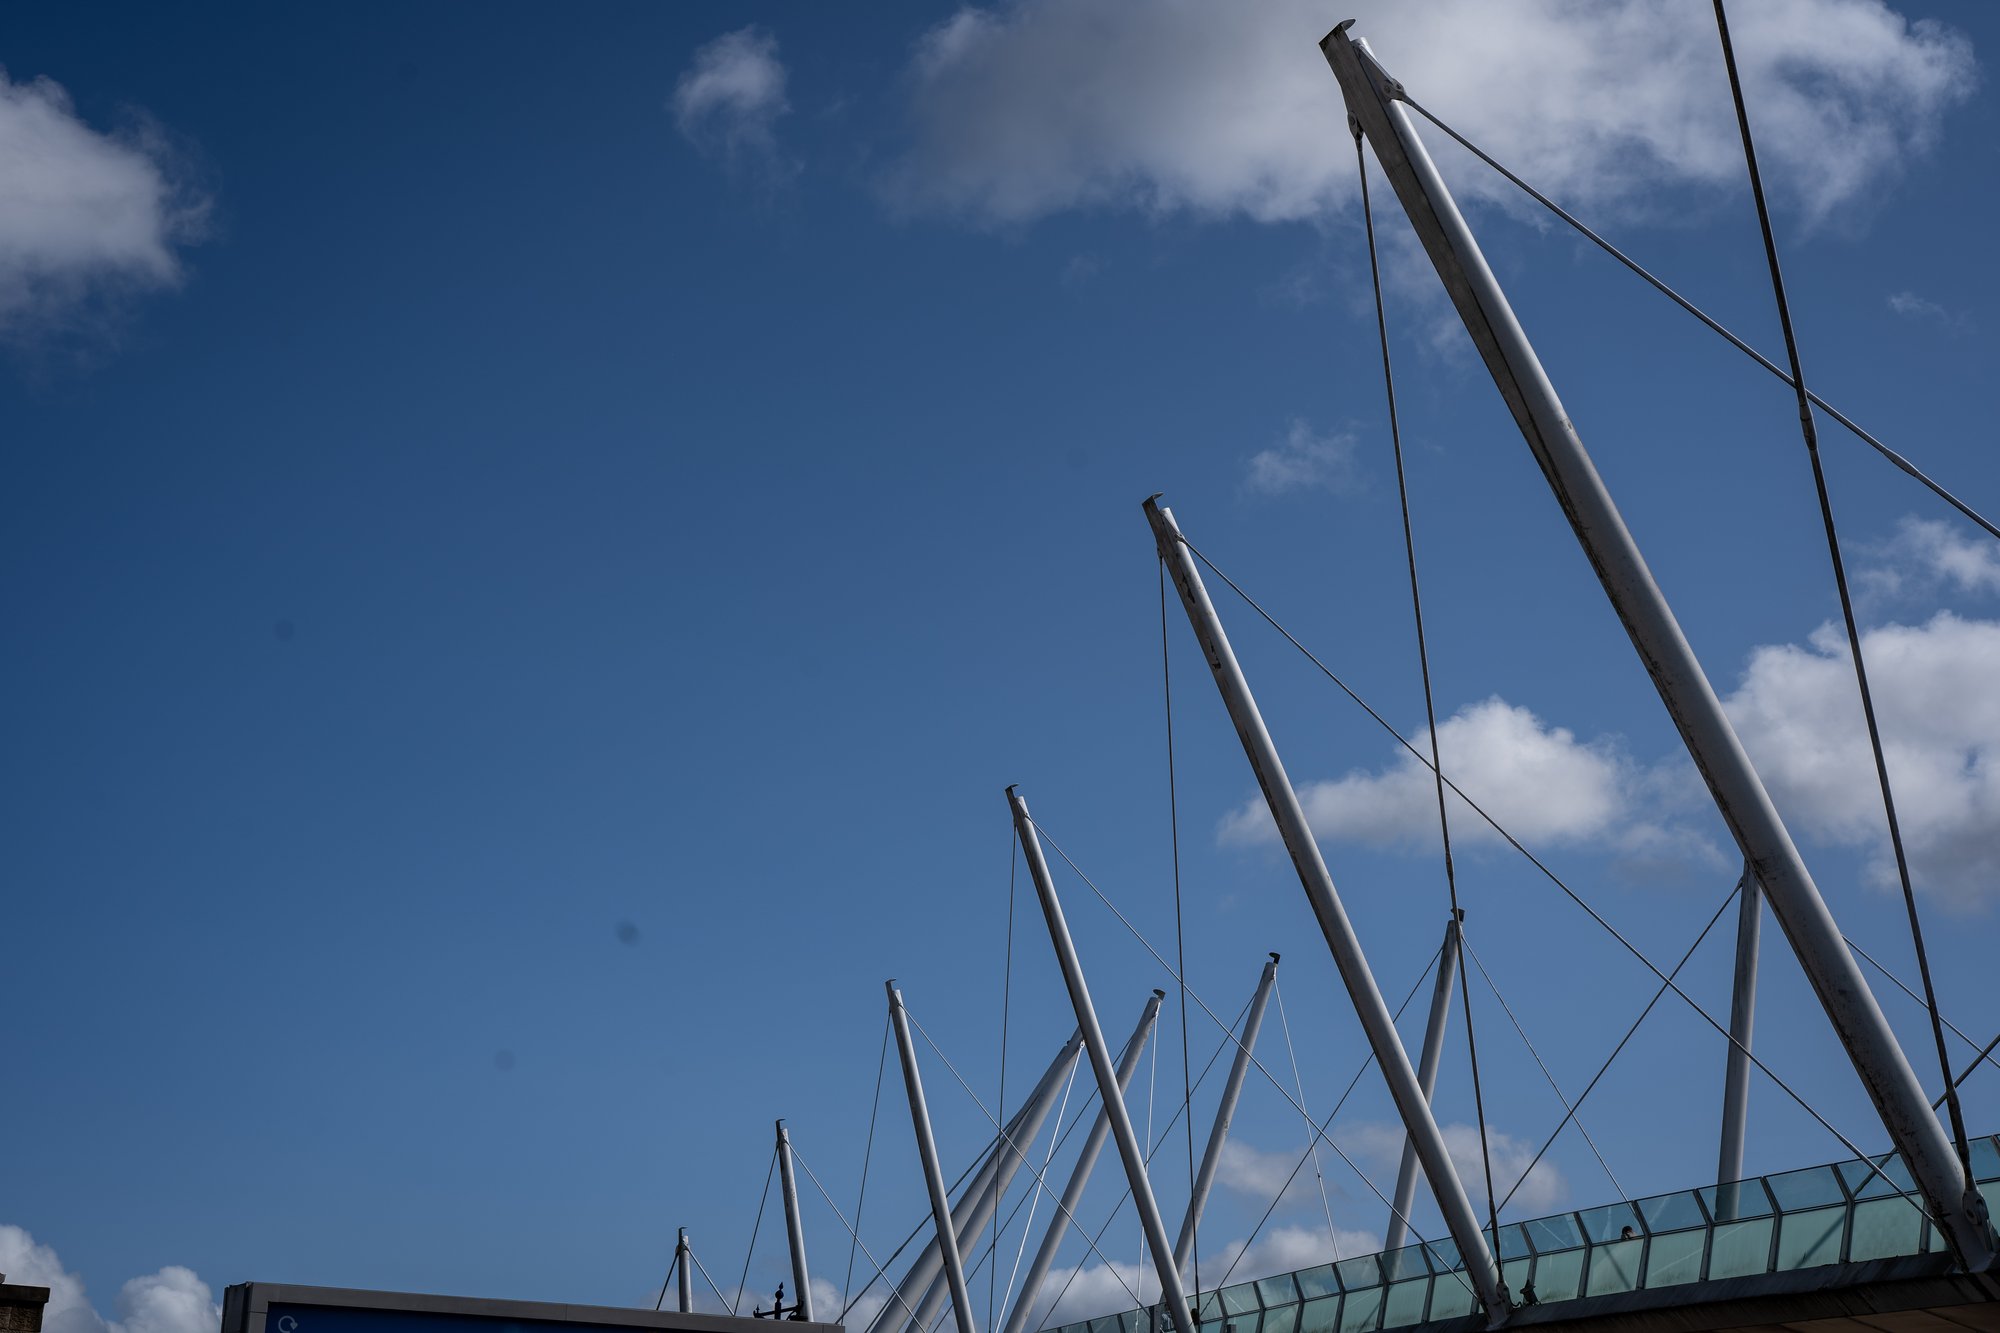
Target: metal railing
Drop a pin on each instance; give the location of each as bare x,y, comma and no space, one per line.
1846,1212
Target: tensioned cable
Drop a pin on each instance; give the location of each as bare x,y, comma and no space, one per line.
1312,1143
1902,463
1324,1125
867,1156
1174,835
1424,663
1984,1055
754,1228
1543,1064
1967,1072
1569,1111
711,1281
855,1236
1810,431
1533,860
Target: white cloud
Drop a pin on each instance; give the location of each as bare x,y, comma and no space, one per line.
1937,699
1912,306
1032,107
1539,781
1258,1173
1380,1146
85,216
728,101
1926,554
1303,461
1099,1288
172,1300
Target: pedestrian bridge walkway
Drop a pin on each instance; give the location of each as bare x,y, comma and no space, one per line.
1814,1245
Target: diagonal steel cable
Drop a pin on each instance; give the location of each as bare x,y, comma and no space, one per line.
1902,463
751,1249
799,1157
1554,1087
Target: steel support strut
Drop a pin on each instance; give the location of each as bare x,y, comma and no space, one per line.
1742,1022
920,1121
1398,1233
1373,100
1086,1160
684,1286
1369,1006
1225,1112
1172,1295
795,1231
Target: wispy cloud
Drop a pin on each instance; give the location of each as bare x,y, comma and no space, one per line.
87,218
1025,108
1912,306
1303,460
1929,555
728,101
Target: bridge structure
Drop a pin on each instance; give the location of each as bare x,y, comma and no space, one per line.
1901,1242
1843,1248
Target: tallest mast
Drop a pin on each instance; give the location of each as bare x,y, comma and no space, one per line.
1374,100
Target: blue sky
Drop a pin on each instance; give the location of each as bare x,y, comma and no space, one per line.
534,540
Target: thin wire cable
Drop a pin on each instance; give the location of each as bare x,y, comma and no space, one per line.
854,1235
755,1227
1810,431
1325,1125
711,1281
867,1157
1960,1032
1543,1065
1424,664
1902,463
1532,859
1312,1141
1174,834
1968,1071
672,1269
1569,1108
